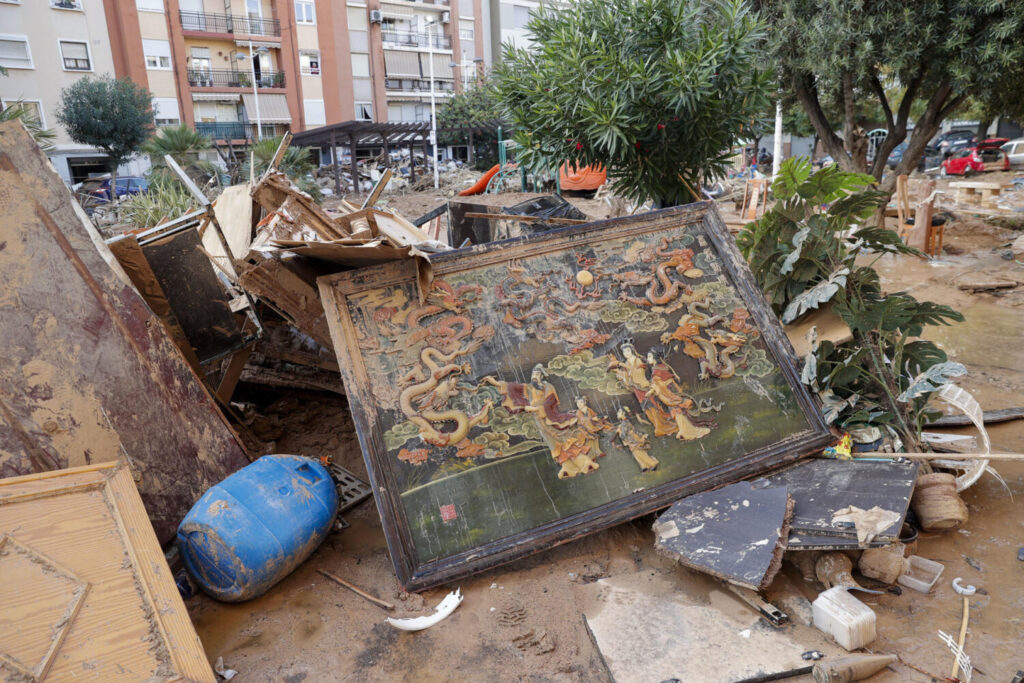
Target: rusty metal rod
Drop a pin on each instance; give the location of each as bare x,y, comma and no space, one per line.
342,582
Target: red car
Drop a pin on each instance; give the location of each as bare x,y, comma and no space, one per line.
985,157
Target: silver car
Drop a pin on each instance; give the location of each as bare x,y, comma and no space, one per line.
1015,150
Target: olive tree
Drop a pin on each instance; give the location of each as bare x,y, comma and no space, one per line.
657,91
912,61
114,115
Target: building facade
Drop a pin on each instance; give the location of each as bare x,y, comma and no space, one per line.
236,70
45,46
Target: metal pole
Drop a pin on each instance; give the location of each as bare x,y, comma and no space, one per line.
255,92
433,104
777,151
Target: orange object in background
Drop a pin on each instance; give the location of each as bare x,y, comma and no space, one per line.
586,178
481,184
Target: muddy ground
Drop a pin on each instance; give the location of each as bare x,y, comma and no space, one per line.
524,621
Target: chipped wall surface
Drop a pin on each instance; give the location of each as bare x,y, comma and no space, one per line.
88,374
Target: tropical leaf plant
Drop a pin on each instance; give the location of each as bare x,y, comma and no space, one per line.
296,164
18,110
815,248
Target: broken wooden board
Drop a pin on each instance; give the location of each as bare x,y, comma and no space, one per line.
277,194
827,327
652,627
88,371
822,486
85,591
233,211
736,533
989,416
287,285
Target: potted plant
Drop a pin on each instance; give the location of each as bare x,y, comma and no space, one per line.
278,79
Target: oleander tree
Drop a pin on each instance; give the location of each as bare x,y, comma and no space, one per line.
477,105
914,62
658,91
113,115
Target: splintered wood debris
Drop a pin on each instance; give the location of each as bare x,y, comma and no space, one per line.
737,533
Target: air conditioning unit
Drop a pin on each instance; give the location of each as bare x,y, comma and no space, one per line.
375,16
446,17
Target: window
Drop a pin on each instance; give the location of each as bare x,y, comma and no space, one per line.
520,16
66,4
360,66
75,56
315,114
150,5
309,62
466,34
33,107
165,111
304,12
14,52
158,54
364,111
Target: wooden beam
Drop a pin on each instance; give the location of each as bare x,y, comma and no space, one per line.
231,376
377,190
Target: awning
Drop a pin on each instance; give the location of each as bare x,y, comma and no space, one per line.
395,10
215,97
257,43
273,108
399,64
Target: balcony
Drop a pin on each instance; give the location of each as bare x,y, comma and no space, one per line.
234,130
415,39
227,78
208,22
420,86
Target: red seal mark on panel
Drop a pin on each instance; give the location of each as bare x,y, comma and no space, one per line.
448,512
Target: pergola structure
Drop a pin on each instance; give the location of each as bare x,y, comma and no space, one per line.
390,135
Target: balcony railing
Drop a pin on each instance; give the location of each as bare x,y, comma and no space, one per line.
414,85
226,78
209,22
235,130
415,39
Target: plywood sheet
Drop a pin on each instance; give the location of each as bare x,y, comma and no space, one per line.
88,371
85,592
737,533
822,486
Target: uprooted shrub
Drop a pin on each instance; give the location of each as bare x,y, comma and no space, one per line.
814,248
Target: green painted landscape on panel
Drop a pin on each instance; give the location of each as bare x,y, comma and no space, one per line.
524,392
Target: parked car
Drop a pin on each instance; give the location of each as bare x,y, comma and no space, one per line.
896,156
985,156
1015,151
98,189
957,139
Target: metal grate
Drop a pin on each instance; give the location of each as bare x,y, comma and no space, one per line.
351,489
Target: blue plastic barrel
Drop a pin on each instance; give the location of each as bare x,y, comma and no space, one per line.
254,528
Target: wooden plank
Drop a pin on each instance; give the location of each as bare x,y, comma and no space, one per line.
525,219
822,486
287,289
85,584
439,210
88,370
975,185
990,417
447,498
232,374
378,189
736,533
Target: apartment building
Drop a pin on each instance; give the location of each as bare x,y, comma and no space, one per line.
45,46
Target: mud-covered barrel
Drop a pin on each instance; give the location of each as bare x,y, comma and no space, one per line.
252,529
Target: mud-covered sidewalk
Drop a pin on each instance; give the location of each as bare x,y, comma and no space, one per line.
525,621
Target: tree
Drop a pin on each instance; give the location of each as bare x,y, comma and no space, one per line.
804,257
184,146
113,115
477,105
657,91
898,57
296,164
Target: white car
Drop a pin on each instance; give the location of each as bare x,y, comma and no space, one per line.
1015,150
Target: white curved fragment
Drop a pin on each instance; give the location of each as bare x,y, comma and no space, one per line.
444,608
963,590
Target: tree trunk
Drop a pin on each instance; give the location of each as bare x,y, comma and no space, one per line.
983,127
113,186
833,144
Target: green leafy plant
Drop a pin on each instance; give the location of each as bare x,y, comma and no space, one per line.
18,110
296,163
814,248
184,145
657,91
166,198
477,105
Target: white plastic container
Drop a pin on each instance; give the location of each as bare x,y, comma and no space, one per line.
921,575
848,620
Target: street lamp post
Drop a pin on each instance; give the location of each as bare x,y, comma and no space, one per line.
255,92
433,102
